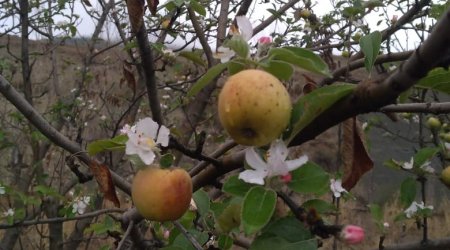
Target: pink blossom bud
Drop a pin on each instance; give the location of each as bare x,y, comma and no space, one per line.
286,178
166,234
264,40
352,234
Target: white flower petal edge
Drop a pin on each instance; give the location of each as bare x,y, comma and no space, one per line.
254,160
336,187
224,54
163,136
245,26
253,176
408,165
294,164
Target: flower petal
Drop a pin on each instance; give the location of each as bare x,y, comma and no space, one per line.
224,54
253,176
278,148
245,27
277,166
254,160
147,156
294,164
131,147
147,127
163,136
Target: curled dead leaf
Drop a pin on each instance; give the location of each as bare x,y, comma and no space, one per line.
355,158
135,12
129,76
104,180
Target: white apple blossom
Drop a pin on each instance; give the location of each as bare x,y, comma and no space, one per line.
245,31
80,204
336,187
224,54
144,138
9,212
408,165
414,207
276,164
426,167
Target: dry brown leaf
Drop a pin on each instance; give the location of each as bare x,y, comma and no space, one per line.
135,12
152,6
129,76
104,180
355,158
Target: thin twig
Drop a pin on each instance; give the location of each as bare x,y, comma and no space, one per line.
125,236
188,236
430,107
61,219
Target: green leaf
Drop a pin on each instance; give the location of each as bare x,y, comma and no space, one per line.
283,234
282,70
257,208
289,229
225,242
183,243
236,186
202,201
194,57
238,45
437,79
370,45
209,76
103,227
408,191
166,160
197,7
309,178
310,106
320,206
376,212
116,143
235,66
48,191
424,155
302,58
230,218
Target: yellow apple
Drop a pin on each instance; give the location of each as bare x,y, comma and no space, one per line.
445,176
162,194
254,107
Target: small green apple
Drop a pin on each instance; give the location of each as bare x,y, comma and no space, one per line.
345,54
304,13
433,123
254,107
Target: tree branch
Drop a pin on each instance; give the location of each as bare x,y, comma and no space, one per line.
360,63
431,107
370,96
441,244
61,219
274,17
149,71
